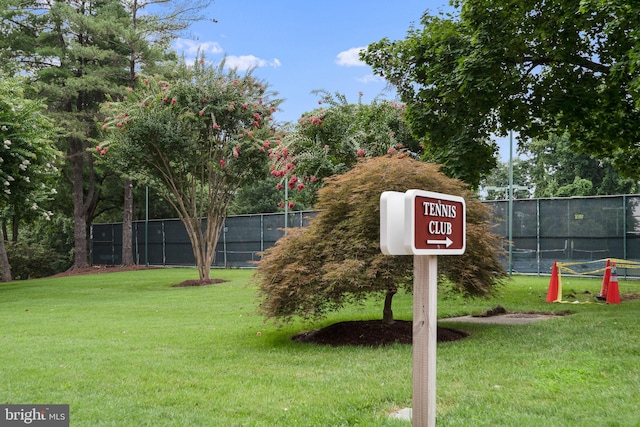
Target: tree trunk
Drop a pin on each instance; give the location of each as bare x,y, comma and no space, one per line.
204,242
127,224
4,262
14,228
387,313
81,202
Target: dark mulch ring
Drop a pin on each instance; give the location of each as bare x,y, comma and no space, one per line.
371,333
188,283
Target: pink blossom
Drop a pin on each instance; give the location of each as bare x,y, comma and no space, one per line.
390,150
215,126
300,186
360,152
291,205
104,127
173,101
279,187
201,112
313,178
222,163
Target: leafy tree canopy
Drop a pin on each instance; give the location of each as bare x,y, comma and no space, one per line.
556,170
27,158
337,258
533,66
331,139
550,167
196,138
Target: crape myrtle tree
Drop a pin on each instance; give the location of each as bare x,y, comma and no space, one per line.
27,158
530,66
331,139
196,139
337,259
147,32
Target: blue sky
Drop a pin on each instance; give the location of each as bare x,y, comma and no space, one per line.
299,46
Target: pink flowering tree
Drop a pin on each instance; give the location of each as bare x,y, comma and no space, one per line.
332,138
196,137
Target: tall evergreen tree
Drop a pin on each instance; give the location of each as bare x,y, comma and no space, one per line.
77,53
74,53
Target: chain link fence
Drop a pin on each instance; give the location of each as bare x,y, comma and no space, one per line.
542,231
569,230
164,242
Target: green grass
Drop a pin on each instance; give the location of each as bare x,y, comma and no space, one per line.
127,349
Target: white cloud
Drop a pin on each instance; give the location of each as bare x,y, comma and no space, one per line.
190,48
350,58
371,78
245,62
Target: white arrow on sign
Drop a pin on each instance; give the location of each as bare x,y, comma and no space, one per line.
446,242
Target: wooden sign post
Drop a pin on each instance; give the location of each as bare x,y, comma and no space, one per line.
423,224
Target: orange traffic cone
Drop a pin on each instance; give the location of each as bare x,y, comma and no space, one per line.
613,290
555,288
605,281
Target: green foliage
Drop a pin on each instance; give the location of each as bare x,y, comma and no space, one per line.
551,167
330,140
496,184
534,66
259,196
337,259
556,170
27,156
196,138
33,260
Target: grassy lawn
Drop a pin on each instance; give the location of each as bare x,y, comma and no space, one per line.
127,349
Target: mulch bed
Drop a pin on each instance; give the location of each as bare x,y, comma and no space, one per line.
371,333
188,283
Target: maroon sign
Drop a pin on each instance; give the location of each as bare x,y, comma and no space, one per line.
438,223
